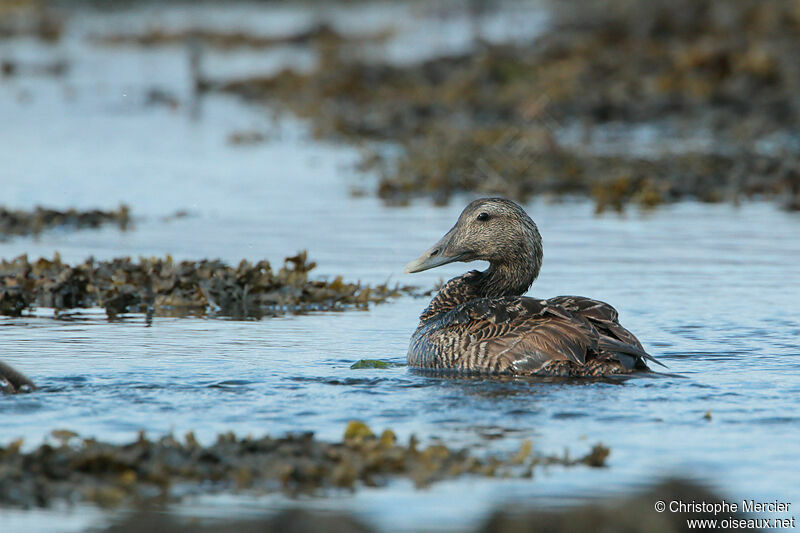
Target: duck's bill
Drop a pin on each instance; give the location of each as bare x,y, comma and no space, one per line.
441,253
430,260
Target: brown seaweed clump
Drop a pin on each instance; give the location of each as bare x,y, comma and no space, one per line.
477,161
165,469
14,222
320,34
165,287
495,119
10,67
29,21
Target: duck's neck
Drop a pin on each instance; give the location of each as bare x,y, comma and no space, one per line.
495,282
513,272
508,279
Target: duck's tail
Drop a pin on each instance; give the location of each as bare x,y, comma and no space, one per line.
613,345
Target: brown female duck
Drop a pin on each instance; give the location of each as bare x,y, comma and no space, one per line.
481,323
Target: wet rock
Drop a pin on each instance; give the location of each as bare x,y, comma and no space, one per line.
19,222
791,181
165,287
12,381
13,300
148,471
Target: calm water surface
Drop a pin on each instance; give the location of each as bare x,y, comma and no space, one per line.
711,290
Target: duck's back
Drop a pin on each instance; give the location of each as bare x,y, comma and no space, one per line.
566,335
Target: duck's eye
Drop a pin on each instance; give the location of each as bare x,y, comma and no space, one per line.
483,216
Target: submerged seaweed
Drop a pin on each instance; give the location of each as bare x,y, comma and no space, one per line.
164,469
371,363
166,287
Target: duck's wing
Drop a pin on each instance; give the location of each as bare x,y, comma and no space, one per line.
598,313
521,335
614,340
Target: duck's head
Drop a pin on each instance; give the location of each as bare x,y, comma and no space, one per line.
489,229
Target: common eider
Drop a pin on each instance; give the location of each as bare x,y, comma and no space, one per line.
480,322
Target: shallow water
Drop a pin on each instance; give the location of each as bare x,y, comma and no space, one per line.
711,291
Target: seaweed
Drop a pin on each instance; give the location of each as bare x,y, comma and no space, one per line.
163,287
145,470
492,120
17,222
371,363
30,21
319,34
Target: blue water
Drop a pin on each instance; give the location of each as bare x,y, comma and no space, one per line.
711,290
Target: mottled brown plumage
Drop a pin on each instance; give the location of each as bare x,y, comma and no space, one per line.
480,323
